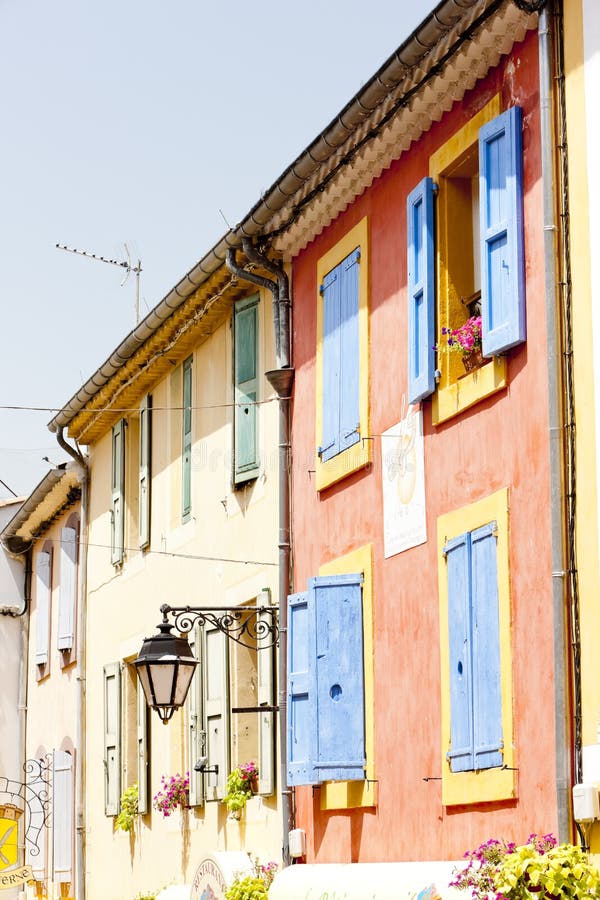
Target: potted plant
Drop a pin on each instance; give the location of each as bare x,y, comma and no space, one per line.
541,869
254,886
128,809
466,340
174,793
242,783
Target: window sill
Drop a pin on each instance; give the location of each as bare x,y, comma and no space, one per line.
342,465
348,794
454,398
485,786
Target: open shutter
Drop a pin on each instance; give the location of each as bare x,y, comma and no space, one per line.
68,588
187,439
301,690
118,493
501,233
143,750
266,726
458,560
145,473
331,294
197,736
43,587
421,291
246,389
487,693
62,816
349,352
340,698
216,711
112,738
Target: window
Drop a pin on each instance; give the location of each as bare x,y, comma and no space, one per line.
43,598
330,697
226,719
342,358
476,653
68,589
126,739
186,501
480,258
117,515
245,368
145,474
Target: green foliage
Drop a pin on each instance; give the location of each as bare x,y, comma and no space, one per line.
537,870
239,786
128,809
249,888
146,895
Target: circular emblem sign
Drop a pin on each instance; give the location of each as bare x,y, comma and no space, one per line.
208,883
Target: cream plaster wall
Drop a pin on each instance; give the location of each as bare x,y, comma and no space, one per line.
123,606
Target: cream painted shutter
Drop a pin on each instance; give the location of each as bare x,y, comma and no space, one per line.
143,749
216,710
62,816
37,829
145,473
42,597
266,727
197,734
68,588
112,738
117,521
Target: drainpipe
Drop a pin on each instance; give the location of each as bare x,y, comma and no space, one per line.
556,427
80,703
281,379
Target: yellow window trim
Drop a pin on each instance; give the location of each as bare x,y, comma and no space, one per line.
360,454
456,393
487,785
354,794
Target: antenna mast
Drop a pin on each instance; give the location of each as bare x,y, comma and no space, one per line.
123,264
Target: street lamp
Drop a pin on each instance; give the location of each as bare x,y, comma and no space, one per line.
165,667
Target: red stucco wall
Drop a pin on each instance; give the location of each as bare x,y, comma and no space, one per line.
502,441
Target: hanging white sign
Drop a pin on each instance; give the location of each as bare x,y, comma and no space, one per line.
403,477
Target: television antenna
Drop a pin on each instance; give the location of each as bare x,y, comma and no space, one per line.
123,264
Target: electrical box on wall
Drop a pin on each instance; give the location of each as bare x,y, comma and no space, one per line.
586,803
297,839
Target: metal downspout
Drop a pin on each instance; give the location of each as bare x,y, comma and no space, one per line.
556,426
81,736
281,380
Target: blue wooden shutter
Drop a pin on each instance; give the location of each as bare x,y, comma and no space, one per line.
245,331
112,738
187,439
117,518
458,560
331,294
487,692
62,816
349,352
501,232
301,690
421,291
43,588
145,472
340,697
67,589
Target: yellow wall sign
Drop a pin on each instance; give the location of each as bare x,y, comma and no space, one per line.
9,832
15,877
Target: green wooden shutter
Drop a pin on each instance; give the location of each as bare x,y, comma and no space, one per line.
186,507
112,738
216,711
143,750
145,483
245,331
117,521
197,735
266,726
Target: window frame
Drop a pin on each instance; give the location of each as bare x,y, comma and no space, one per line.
187,369
118,463
499,783
359,454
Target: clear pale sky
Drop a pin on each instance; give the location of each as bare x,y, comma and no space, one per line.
137,121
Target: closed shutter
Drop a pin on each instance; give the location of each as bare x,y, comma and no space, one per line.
145,482
197,735
341,358
187,439
487,693
340,697
216,710
43,588
458,561
266,693
143,729
68,588
501,233
112,738
421,291
301,690
118,493
37,830
246,389
62,816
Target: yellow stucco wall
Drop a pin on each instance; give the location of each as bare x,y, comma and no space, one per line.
123,606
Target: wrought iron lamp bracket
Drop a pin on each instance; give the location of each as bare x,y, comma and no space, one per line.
255,627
